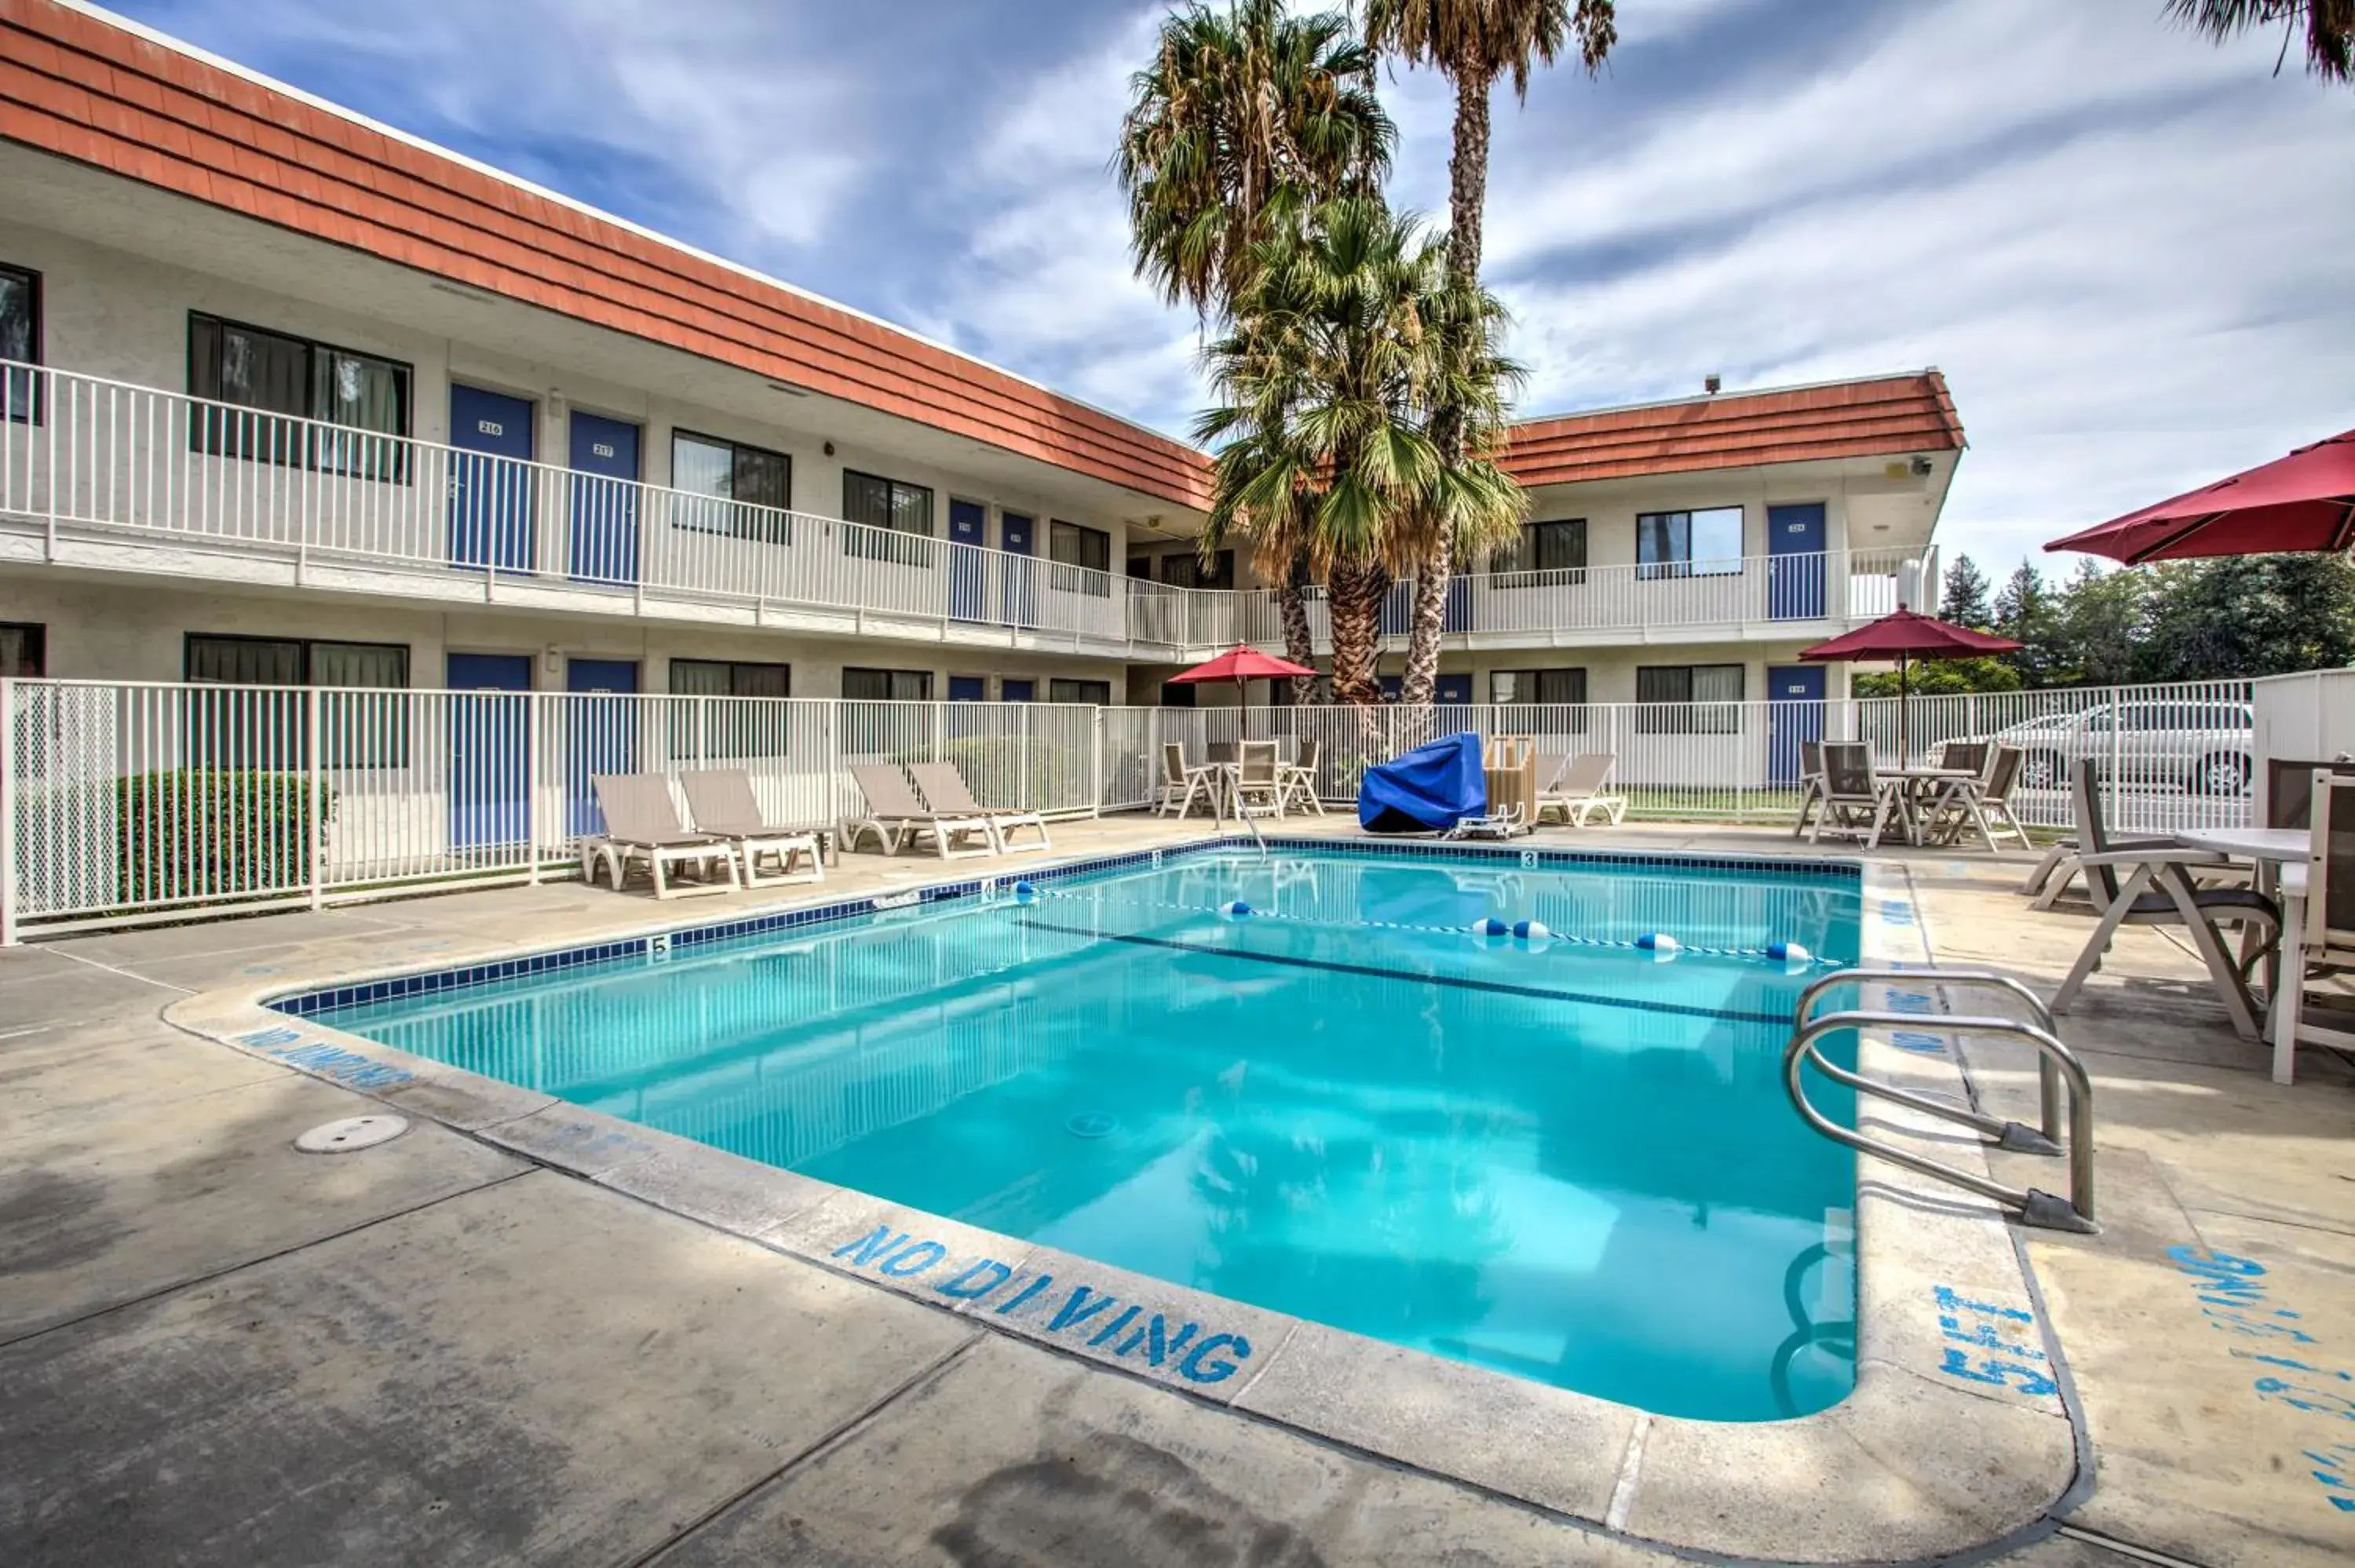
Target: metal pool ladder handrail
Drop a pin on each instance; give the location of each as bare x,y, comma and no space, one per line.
2054,1062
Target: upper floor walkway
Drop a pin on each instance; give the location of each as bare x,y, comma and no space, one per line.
107,475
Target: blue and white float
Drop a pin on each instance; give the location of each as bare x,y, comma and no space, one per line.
1534,935
1790,953
1489,926
1025,894
1660,944
1235,910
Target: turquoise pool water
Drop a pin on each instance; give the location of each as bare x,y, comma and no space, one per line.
1572,1163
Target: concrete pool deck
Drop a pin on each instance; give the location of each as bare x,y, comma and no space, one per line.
215,1348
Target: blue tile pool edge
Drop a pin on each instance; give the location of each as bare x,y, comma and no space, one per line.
310,1004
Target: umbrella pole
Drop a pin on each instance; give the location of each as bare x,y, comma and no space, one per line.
1904,717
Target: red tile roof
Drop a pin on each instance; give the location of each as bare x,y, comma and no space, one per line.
1890,416
83,88
78,86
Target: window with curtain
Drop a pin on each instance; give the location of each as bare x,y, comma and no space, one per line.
710,730
20,340
267,730
272,379
885,685
24,648
1691,686
733,486
893,506
1185,569
1555,546
1555,688
1698,544
1070,545
1096,692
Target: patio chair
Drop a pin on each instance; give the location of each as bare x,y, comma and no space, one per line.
1575,789
1259,776
1983,803
641,824
1970,754
720,801
2321,940
2160,891
2289,789
1856,799
1181,783
1299,775
898,819
946,792
1811,783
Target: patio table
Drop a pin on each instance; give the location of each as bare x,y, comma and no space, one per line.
1916,787
2279,855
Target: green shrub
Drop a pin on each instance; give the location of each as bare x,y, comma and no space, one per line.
191,833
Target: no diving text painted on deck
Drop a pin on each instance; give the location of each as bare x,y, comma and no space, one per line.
1076,1310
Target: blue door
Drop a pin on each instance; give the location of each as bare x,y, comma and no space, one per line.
604,499
1795,570
1453,690
490,729
1013,690
490,482
967,566
600,734
1017,536
968,688
1795,713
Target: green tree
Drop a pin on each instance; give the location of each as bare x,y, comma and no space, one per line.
1938,677
2025,612
1325,388
1245,121
1472,43
1964,599
2329,26
2250,615
2100,628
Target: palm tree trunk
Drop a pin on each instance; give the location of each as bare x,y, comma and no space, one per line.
1355,591
1467,193
1299,642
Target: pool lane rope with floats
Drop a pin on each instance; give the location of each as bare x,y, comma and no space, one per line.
1530,935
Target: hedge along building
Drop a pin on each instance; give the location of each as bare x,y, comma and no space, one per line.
292,396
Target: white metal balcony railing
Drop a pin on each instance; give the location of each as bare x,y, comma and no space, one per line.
80,452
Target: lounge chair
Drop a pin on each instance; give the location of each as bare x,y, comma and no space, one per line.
1811,781
900,819
641,824
1575,789
946,792
2158,891
1983,803
1180,783
720,801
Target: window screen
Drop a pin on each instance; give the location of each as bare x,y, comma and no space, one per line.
890,504
1556,546
272,379
736,490
267,731
1688,686
1096,692
1068,546
707,730
1554,687
1706,542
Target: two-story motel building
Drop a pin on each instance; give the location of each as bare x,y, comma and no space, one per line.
291,397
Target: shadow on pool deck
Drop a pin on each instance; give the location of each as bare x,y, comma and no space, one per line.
215,1349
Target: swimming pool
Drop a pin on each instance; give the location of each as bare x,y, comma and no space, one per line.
1567,1161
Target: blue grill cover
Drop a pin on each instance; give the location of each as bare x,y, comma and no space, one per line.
1428,790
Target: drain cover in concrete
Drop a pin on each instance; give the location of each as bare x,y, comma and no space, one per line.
352,1133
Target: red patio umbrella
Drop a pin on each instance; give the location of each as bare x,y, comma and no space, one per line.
1239,664
2303,502
1903,635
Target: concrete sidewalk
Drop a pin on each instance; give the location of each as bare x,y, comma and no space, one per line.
215,1349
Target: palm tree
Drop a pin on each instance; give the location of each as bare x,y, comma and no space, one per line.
1328,382
1244,122
2329,28
1473,42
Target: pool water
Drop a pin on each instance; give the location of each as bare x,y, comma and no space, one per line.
1572,1162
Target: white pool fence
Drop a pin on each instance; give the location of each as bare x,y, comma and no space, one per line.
135,802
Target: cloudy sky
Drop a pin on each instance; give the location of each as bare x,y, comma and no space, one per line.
2130,251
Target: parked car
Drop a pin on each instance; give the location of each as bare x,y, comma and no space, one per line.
2206,747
